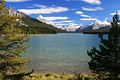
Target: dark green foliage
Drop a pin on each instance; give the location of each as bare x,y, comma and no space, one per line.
106,60
83,76
12,44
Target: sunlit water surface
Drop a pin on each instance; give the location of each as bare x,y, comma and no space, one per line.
65,52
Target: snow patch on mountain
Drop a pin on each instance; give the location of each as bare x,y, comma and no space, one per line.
18,14
99,24
69,28
72,28
42,19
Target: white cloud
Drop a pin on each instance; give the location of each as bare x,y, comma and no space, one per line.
84,15
57,22
92,9
30,7
40,6
73,24
55,18
16,0
62,24
118,12
45,10
81,14
67,21
37,6
88,19
94,2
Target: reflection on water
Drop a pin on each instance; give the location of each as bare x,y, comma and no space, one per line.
60,52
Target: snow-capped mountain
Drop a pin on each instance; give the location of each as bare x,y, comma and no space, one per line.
34,25
62,27
70,28
98,26
42,19
78,30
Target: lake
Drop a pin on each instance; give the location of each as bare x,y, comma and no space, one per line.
64,52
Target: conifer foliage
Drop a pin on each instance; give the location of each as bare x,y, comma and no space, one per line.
106,60
12,44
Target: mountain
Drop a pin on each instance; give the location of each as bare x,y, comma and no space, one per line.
78,30
98,27
69,28
72,28
98,24
34,26
42,19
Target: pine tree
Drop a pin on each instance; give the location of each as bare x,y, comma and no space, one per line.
12,44
106,60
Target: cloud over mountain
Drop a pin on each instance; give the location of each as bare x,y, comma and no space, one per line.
56,18
93,2
92,9
44,10
88,19
52,18
82,14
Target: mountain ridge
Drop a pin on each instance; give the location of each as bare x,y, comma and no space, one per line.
35,26
96,27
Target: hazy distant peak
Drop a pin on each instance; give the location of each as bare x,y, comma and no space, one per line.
42,19
98,24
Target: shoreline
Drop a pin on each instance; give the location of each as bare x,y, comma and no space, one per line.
61,76
60,72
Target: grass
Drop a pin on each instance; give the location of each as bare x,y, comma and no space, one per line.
53,76
66,76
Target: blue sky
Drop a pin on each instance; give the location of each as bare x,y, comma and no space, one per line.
64,12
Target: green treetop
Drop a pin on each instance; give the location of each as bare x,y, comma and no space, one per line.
106,60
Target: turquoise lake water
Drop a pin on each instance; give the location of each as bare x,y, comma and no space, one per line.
65,52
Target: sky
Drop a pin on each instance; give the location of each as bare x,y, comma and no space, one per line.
65,12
